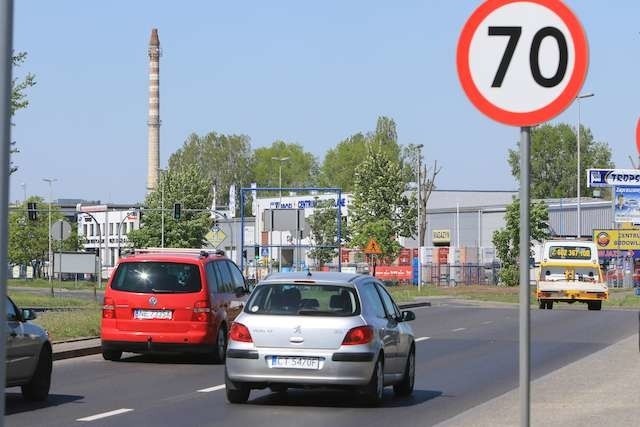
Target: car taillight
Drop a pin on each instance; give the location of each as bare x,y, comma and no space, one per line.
109,308
240,333
358,335
201,311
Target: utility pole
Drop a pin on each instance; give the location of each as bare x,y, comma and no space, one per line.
419,147
280,159
50,269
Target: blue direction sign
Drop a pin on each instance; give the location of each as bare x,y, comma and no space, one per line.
612,177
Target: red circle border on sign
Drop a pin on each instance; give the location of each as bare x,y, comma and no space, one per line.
638,135
530,118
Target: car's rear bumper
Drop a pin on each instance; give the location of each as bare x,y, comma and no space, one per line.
336,368
155,347
572,295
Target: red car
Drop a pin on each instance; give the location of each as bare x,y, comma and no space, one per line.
171,300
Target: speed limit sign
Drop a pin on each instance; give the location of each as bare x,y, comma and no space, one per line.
522,62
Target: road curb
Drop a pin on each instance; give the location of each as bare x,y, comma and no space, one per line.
415,304
77,352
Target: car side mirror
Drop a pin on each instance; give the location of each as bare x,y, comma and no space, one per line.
27,314
408,316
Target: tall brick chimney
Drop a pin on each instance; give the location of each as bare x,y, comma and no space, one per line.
153,123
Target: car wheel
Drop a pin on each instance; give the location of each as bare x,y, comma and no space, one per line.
236,392
594,305
542,304
549,305
220,348
114,355
375,388
37,389
405,387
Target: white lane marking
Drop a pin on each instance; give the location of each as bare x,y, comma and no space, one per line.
487,322
422,339
105,414
214,388
458,329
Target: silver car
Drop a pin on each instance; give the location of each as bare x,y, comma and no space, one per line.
29,358
304,330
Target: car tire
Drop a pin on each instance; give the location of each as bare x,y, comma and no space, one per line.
374,390
236,392
594,305
542,304
37,389
405,387
549,305
220,348
113,355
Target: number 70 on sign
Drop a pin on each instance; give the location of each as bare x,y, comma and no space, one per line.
522,62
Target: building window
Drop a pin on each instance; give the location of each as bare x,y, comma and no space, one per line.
84,229
91,229
110,229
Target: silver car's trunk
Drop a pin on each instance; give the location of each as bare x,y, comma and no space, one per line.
300,331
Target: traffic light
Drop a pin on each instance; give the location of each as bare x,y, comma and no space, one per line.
32,211
177,210
256,251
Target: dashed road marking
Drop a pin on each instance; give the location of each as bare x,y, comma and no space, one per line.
422,339
487,322
210,389
105,414
458,329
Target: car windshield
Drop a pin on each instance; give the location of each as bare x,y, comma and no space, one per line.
303,300
157,277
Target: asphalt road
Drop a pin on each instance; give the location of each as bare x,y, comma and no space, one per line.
466,355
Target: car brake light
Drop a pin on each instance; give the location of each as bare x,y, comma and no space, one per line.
201,311
240,333
108,308
358,335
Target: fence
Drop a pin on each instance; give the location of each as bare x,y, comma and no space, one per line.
460,274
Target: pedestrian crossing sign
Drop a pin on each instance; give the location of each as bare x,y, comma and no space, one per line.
373,247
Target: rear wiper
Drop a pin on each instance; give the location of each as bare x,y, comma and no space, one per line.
164,291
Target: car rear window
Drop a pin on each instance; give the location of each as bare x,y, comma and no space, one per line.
157,277
303,300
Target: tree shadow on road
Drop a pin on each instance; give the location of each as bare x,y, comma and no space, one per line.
15,403
341,399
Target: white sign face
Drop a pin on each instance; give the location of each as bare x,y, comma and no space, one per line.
522,62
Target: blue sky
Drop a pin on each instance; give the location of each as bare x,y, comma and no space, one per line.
310,73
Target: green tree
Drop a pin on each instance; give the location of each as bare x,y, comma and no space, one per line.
507,240
324,231
18,95
224,159
192,189
29,239
554,162
299,170
380,208
340,163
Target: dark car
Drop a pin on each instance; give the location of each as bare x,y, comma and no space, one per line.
29,358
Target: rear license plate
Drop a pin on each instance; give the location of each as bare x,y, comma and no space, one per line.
290,362
152,314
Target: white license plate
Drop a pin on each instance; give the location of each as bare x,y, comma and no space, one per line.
290,362
152,314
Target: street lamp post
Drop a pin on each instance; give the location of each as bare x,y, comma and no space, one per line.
419,218
130,212
579,218
280,160
50,269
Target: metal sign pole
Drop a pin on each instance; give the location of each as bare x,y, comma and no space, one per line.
6,50
524,334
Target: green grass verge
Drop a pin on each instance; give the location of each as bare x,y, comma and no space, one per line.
64,325
43,283
26,300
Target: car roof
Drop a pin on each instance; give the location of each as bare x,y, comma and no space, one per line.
173,255
315,276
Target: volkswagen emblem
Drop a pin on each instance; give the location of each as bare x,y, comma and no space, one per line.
153,300
297,329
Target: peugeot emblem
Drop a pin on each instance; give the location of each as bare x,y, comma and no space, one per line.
297,329
153,300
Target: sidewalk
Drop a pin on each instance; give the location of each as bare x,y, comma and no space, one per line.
602,389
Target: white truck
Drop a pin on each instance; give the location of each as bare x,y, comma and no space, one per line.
570,272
